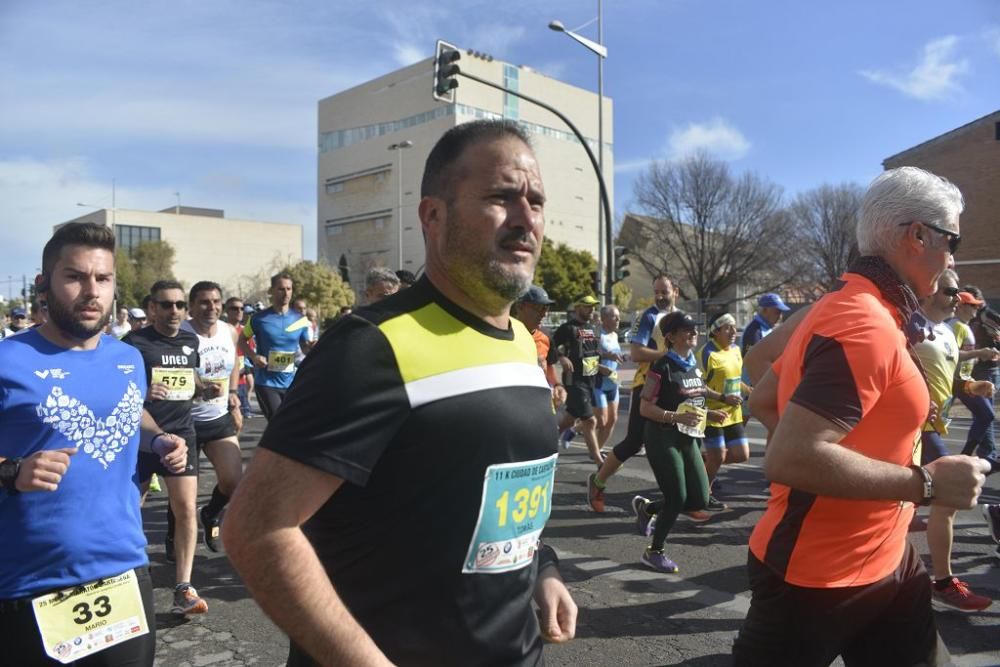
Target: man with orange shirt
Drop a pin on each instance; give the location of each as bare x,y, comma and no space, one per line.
830,569
531,310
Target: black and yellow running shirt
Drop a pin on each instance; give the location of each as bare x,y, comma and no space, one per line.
442,428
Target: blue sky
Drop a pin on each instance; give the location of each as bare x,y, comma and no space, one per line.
217,100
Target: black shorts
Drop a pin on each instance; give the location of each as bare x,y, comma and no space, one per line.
269,399
888,622
215,429
22,641
579,399
149,463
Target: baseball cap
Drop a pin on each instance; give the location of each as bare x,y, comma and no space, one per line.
772,300
969,298
248,309
537,295
137,313
676,321
19,312
586,301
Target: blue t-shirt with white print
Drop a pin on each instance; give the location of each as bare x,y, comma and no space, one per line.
91,526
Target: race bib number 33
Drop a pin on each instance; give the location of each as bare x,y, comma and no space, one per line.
78,622
516,503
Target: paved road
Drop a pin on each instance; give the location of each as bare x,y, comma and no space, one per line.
629,615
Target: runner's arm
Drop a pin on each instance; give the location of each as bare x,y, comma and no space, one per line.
234,377
805,453
264,540
640,353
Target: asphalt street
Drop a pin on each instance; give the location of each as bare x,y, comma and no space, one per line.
629,615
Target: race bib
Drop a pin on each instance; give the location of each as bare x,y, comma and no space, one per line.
179,382
590,365
77,622
613,376
516,503
223,385
280,362
732,387
945,414
698,430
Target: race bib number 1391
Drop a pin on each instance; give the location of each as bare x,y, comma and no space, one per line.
516,503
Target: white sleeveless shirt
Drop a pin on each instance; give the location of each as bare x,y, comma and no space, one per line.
217,356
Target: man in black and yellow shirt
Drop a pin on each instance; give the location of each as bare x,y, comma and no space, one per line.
395,518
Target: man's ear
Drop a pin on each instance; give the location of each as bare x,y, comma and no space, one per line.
432,212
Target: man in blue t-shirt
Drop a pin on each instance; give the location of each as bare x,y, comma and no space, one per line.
74,555
770,308
278,331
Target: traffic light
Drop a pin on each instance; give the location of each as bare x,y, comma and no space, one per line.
595,282
446,71
621,261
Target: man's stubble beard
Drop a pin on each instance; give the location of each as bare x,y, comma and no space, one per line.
64,318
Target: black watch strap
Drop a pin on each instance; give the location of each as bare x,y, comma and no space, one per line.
9,469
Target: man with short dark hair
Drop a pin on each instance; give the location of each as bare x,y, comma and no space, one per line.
217,419
170,359
278,332
406,278
71,425
444,422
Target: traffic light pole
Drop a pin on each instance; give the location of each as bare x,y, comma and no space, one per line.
609,241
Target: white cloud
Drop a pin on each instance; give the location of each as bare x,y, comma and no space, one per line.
934,77
716,136
408,54
992,37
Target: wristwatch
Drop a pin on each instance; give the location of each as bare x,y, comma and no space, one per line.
928,485
9,469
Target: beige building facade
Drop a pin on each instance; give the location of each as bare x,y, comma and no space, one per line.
969,157
368,185
207,245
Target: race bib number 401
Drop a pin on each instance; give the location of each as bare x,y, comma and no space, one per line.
280,362
516,503
78,622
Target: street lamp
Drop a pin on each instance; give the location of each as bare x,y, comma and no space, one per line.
602,52
114,207
399,148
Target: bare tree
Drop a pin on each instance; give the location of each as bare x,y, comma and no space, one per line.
825,220
712,227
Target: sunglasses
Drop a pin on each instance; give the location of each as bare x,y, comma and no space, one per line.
953,239
179,305
951,292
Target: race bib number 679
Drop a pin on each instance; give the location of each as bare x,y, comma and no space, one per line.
516,503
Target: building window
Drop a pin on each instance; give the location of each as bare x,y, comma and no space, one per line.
334,230
511,81
128,237
332,188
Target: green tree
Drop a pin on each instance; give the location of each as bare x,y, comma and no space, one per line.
623,296
564,273
321,287
151,261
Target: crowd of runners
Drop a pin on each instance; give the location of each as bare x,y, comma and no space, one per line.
443,401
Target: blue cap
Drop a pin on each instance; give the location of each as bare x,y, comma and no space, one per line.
772,300
19,312
537,295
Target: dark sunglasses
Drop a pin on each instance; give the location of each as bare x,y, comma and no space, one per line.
235,308
950,291
179,305
953,239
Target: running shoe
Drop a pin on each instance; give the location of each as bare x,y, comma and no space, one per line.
958,596
658,561
213,529
698,516
168,548
716,505
154,484
643,521
566,437
595,494
186,601
992,515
